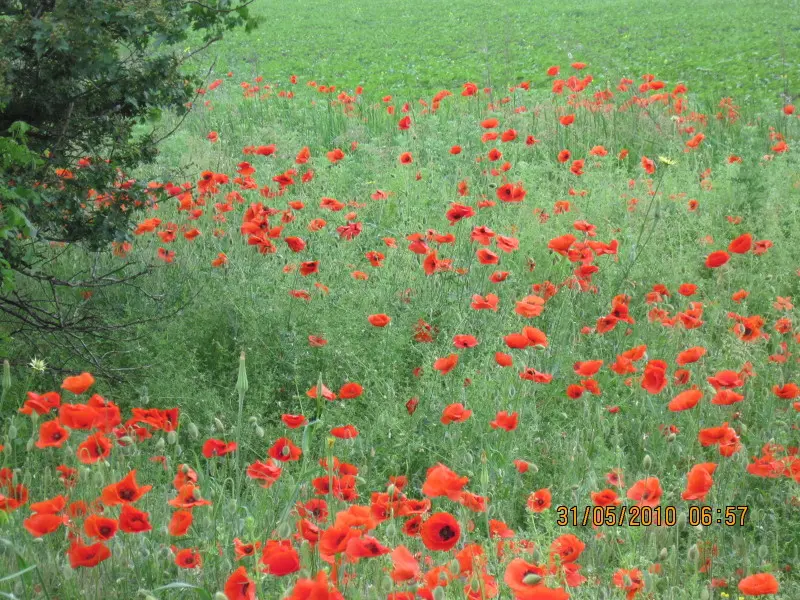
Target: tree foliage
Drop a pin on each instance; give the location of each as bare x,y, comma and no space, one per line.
82,86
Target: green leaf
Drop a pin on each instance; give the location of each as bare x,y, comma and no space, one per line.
179,585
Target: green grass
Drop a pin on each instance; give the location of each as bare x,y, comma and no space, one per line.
748,50
573,443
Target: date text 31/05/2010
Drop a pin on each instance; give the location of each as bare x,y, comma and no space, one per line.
645,516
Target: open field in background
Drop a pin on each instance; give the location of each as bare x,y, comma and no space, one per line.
748,50
585,298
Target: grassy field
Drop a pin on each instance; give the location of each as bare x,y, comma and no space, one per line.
480,312
748,50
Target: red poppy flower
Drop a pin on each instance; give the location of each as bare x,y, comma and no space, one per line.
81,555
78,384
440,531
239,586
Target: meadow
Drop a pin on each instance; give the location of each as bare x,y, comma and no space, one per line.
476,302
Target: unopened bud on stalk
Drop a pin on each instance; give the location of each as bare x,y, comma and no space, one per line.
241,382
284,530
762,551
220,596
125,440
260,431
532,579
682,519
29,445
6,376
693,554
218,424
663,554
160,444
172,437
193,432
12,433
454,567
704,594
306,554
671,437
439,593
386,584
647,462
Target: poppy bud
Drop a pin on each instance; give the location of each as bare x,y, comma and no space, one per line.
218,424
34,418
29,445
438,593
682,520
160,444
6,377
693,553
533,468
671,437
663,554
253,420
454,567
284,530
241,382
193,432
762,551
468,458
647,462
306,554
259,431
125,440
704,594
3,517
220,596
532,579
172,437
647,580
386,585
12,433
742,429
